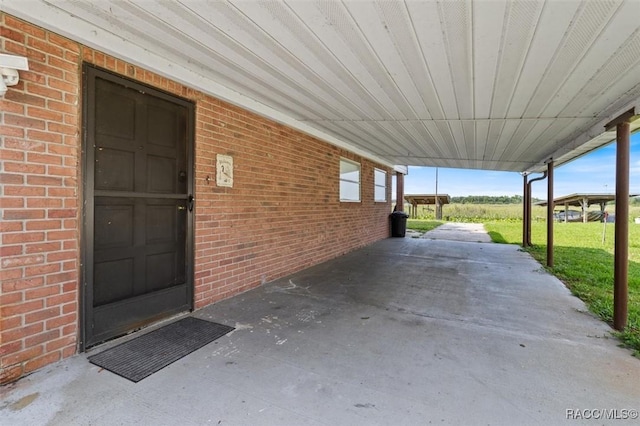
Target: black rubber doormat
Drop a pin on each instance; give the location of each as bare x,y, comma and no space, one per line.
151,352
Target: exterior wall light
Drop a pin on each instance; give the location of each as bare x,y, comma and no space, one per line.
9,66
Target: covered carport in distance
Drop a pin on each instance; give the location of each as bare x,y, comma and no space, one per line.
584,201
503,85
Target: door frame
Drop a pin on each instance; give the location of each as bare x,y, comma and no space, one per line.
89,74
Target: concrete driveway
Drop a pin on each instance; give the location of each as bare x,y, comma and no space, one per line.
403,332
453,231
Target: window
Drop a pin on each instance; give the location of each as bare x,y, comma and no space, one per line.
380,185
349,180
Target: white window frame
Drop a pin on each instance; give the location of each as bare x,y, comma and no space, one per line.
377,173
349,181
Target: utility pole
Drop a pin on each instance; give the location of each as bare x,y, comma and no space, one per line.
437,201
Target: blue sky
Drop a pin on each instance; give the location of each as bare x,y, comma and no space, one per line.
593,173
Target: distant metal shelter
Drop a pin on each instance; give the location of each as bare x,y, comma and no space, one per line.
584,201
425,199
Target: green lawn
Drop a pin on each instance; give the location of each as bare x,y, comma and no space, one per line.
585,264
422,225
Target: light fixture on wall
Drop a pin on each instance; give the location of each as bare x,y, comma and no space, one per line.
9,66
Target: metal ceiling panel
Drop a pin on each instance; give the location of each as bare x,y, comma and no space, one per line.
487,32
572,65
297,41
552,25
517,32
498,85
427,24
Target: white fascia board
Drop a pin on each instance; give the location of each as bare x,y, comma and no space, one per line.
65,24
401,169
594,132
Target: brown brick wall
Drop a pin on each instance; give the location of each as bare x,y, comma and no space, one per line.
39,151
282,215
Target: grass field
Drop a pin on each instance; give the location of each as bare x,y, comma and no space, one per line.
423,225
581,259
482,213
479,213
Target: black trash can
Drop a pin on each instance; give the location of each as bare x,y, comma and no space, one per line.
398,224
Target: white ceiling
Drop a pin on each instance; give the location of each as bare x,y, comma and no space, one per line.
497,85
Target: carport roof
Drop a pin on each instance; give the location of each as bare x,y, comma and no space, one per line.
577,199
496,85
419,199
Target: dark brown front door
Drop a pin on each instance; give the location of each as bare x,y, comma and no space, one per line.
138,207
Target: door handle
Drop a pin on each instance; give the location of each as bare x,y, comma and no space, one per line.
190,201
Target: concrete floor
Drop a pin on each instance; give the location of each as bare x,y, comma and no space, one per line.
403,332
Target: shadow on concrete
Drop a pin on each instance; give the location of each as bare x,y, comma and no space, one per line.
588,273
